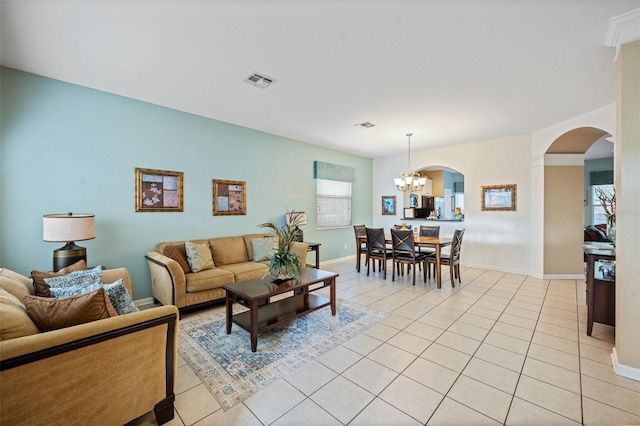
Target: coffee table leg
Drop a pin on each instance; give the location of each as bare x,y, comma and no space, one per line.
254,327
229,305
332,295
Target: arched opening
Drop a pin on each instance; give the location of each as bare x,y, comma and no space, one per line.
441,198
567,200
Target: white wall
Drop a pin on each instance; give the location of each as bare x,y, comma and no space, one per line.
493,240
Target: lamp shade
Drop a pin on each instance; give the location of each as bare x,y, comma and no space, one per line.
68,227
301,216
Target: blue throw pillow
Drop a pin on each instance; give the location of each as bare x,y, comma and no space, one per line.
76,278
118,294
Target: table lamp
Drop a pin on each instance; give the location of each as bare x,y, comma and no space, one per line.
68,228
301,219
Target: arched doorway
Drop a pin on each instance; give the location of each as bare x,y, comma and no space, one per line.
564,200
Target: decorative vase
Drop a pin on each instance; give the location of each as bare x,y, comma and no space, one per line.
611,231
284,265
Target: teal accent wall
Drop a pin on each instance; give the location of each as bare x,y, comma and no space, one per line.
598,165
67,148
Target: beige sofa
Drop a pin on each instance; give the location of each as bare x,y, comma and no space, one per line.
233,258
106,372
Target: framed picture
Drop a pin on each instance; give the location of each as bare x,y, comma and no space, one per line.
229,197
499,197
158,190
389,204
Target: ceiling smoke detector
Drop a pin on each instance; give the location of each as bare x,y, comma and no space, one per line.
259,80
365,125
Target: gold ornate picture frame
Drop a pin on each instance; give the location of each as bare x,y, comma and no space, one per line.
158,190
229,197
499,197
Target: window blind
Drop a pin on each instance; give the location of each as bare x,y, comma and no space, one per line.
333,201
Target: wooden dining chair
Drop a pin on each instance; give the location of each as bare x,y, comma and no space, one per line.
429,231
404,253
453,258
377,250
361,246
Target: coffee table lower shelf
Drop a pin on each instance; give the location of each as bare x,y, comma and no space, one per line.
282,311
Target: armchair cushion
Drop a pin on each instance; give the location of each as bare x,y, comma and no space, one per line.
14,320
41,288
51,314
118,294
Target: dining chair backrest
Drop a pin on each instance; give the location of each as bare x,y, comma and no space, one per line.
375,239
456,244
360,230
402,241
429,231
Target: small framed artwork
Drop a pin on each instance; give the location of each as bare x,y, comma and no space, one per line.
499,197
229,197
158,190
389,204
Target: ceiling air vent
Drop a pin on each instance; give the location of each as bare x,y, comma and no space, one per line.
260,80
365,125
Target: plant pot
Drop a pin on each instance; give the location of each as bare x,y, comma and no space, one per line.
611,232
284,271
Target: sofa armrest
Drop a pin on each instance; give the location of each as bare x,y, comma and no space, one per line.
168,282
86,373
301,249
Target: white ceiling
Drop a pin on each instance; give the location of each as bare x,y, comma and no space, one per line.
449,71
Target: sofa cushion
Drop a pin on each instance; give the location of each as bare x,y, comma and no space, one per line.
14,320
51,314
41,288
118,294
228,250
248,241
199,256
15,283
247,270
264,248
178,253
207,280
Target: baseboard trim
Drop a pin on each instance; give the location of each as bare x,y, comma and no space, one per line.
624,370
143,302
563,277
493,268
340,259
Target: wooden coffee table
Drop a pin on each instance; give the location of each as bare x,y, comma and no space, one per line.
263,314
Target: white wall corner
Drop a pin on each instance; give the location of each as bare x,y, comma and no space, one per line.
624,370
622,29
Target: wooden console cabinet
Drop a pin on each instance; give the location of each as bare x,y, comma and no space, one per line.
601,285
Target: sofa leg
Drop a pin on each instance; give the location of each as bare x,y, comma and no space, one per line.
164,410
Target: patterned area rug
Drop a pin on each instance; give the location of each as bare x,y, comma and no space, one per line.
226,365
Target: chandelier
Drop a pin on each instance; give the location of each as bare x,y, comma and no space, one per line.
411,182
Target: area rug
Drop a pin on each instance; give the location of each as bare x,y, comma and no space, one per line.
226,365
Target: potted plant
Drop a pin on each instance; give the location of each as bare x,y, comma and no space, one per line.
284,264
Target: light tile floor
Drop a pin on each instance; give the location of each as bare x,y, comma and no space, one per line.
499,348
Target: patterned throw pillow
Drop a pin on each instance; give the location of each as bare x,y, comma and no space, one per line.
41,288
88,276
199,256
118,294
264,248
51,314
178,253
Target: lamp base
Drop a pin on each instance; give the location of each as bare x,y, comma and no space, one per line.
298,235
68,255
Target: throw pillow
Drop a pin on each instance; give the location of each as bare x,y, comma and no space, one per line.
118,294
178,253
41,288
264,248
199,256
14,321
88,276
51,314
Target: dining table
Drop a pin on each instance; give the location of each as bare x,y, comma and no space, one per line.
433,242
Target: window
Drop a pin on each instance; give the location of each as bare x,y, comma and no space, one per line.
333,204
597,211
